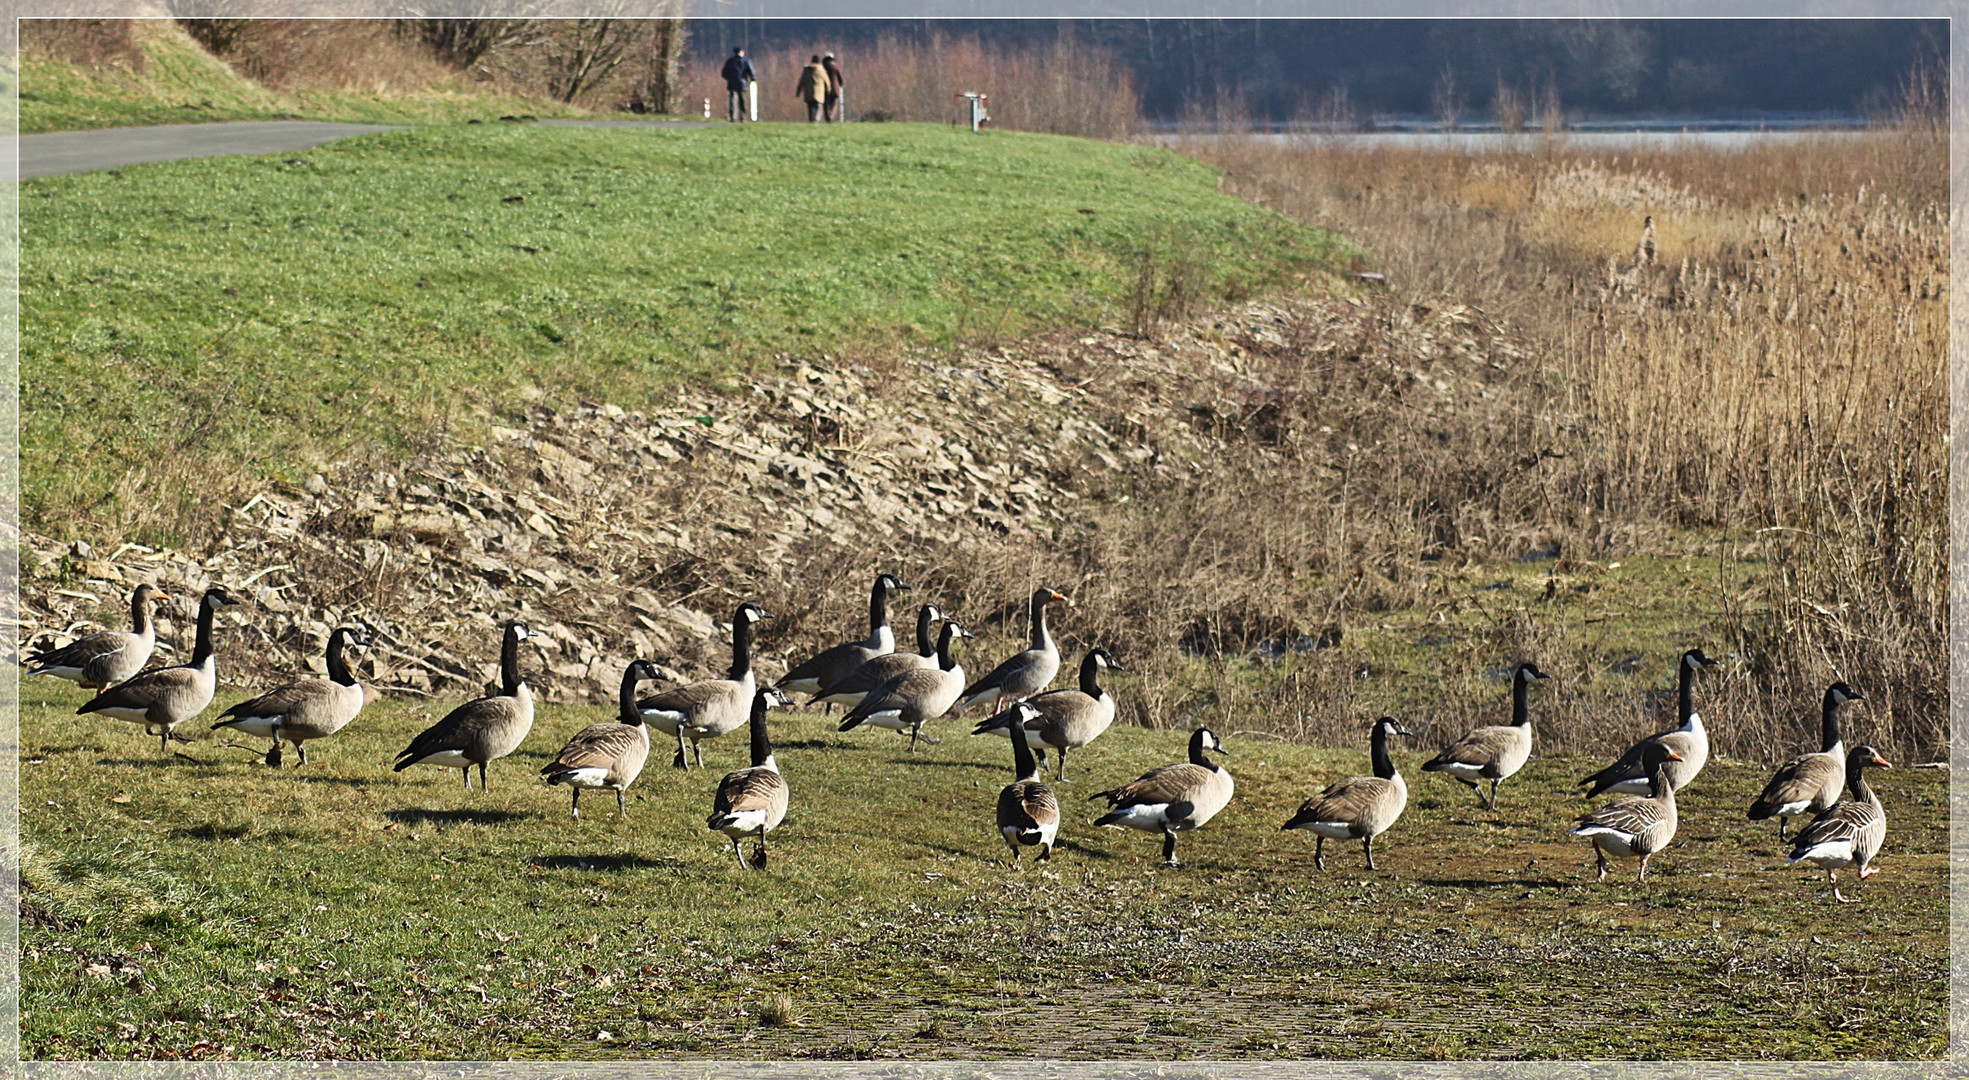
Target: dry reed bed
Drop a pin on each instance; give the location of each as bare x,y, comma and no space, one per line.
1770,374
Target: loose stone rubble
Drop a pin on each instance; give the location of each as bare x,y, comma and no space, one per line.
617,534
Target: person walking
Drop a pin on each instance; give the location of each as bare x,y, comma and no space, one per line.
739,77
831,107
812,88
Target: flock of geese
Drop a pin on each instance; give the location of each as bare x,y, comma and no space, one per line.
901,691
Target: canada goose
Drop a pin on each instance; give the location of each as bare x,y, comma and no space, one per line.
1638,825
835,664
907,701
1028,814
308,709
1359,807
1850,832
1171,798
163,698
606,755
714,707
1810,782
1497,752
1025,673
109,656
1628,775
752,802
856,685
1066,719
482,730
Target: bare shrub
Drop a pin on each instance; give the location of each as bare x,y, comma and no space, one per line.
1062,88
95,43
368,55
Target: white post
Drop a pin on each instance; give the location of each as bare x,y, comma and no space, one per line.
752,93
707,108
977,111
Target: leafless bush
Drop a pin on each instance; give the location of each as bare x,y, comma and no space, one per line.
95,43
1062,88
320,54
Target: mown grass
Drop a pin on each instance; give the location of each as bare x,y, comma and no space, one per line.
203,906
260,315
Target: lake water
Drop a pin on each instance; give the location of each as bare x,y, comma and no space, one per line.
1467,142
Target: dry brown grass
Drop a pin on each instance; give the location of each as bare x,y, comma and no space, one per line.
1771,378
1065,88
366,55
94,43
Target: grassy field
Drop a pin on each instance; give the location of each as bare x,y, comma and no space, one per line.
203,906
257,315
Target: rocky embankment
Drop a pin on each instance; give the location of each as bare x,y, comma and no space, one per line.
616,533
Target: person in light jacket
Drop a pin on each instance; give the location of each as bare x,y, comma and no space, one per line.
812,88
738,76
831,107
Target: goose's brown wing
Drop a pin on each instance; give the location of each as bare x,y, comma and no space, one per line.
1843,821
685,699
1478,749
1347,800
748,789
82,651
1163,784
1028,804
1630,815
141,691
280,701
1797,780
458,728
598,746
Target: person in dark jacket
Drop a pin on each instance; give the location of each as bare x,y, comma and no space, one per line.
739,77
812,88
831,107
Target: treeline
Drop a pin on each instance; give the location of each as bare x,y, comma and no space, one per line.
1286,69
608,63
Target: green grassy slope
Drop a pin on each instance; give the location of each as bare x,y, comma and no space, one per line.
261,313
205,906
182,83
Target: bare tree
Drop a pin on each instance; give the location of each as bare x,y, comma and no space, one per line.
1447,99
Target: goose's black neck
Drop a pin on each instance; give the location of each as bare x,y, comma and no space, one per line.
1829,721
1090,675
944,658
878,607
741,645
762,748
1040,639
1384,766
338,669
202,647
1022,760
1521,698
926,644
509,662
1685,691
140,612
630,713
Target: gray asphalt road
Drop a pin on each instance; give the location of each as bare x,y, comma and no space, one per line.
82,151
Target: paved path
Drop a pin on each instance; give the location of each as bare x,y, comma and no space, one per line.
82,151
